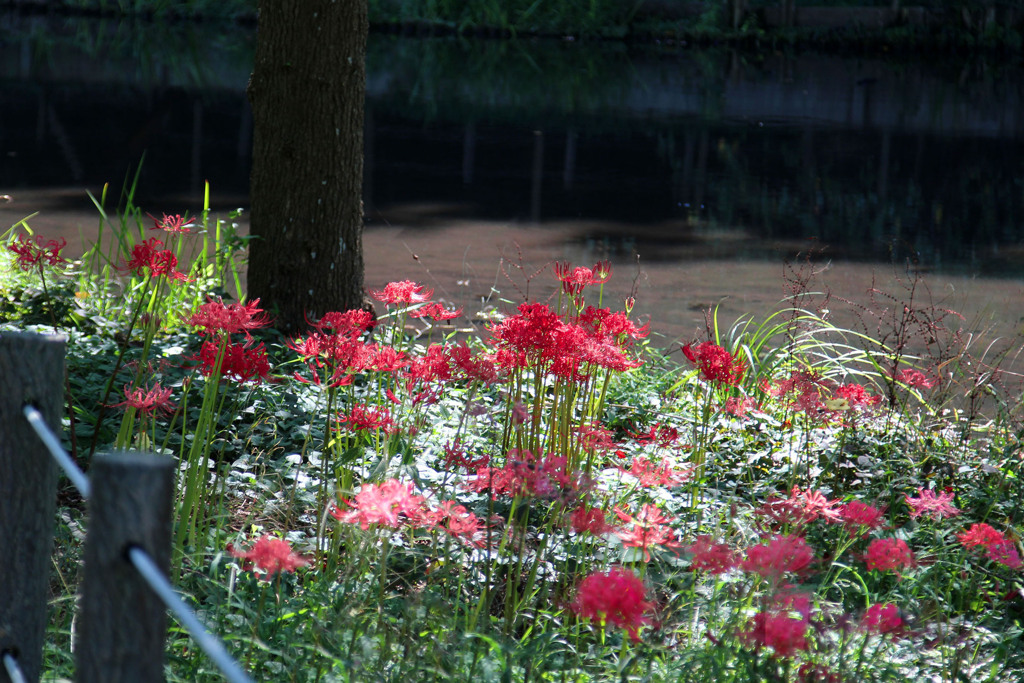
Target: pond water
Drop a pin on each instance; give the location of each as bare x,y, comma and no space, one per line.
699,174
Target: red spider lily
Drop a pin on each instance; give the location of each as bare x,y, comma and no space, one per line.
574,280
270,555
784,634
530,475
888,554
980,534
934,505
998,547
364,418
649,528
739,406
800,508
455,456
856,396
404,293
242,362
385,359
459,523
33,253
391,504
614,597
530,333
804,389
915,379
602,323
146,255
715,364
472,368
1005,553
435,311
352,323
710,557
596,437
214,316
792,600
173,224
882,619
860,517
661,434
649,473
781,555
537,338
433,366
588,520
151,400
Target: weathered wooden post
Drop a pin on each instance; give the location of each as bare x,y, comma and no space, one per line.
123,623
31,372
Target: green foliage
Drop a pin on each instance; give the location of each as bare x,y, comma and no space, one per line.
441,504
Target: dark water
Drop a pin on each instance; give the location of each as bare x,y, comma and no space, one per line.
749,156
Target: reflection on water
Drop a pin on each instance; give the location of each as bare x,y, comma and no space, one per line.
674,157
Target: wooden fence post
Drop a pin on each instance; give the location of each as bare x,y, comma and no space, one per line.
31,372
122,622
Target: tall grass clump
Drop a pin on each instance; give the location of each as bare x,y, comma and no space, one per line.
386,496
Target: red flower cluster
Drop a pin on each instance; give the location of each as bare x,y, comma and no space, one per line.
455,456
148,256
214,317
882,619
574,280
855,396
711,557
934,505
739,406
174,224
649,527
614,597
393,504
588,520
32,254
241,362
404,293
801,508
779,556
649,473
661,434
716,365
364,418
147,400
861,517
805,391
779,631
335,350
537,338
270,555
526,474
435,311
915,379
888,554
997,546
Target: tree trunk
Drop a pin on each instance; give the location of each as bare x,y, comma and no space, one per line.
307,90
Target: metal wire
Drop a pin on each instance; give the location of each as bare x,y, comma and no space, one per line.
142,563
81,482
13,670
186,617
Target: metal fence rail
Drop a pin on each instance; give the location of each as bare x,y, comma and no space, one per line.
125,590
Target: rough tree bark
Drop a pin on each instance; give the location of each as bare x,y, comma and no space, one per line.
307,90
